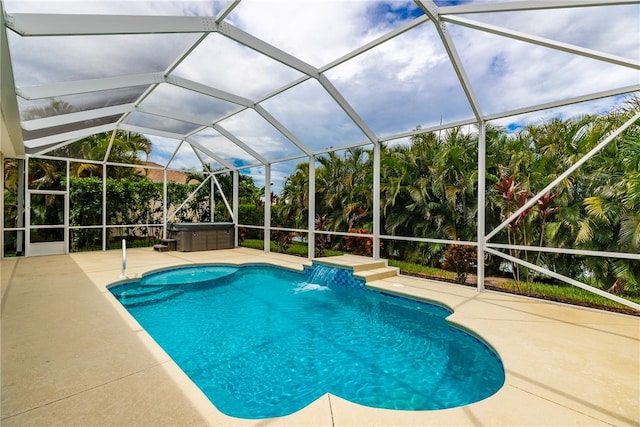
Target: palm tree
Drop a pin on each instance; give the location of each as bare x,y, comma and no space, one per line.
293,206
612,206
55,108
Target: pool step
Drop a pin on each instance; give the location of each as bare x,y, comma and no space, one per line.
377,273
149,298
355,262
141,291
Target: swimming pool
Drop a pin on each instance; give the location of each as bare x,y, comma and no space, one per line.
263,342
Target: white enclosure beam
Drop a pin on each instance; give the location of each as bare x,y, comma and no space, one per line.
376,200
165,203
199,157
188,199
442,126
566,279
175,115
528,5
231,137
482,203
224,199
282,129
11,143
580,252
54,139
266,49
107,152
80,116
43,24
86,86
377,42
150,131
565,174
173,155
541,41
208,90
37,153
236,202
227,10
105,234
565,102
347,108
311,202
209,153
267,207
432,11
184,55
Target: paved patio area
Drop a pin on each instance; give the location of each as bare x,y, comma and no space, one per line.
72,356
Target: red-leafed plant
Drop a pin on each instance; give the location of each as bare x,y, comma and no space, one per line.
359,245
518,230
461,259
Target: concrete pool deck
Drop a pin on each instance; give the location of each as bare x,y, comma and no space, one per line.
72,356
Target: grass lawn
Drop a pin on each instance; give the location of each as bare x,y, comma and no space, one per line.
296,248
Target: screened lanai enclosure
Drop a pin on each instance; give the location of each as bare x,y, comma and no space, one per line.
491,138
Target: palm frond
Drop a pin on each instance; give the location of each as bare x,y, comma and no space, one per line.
585,234
629,236
595,206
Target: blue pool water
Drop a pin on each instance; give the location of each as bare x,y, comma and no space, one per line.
263,342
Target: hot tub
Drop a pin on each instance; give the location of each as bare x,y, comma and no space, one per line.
202,236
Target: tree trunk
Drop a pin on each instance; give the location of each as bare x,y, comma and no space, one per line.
618,287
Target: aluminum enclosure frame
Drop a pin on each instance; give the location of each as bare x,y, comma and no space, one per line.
49,25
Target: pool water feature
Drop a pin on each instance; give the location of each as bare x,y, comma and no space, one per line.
263,342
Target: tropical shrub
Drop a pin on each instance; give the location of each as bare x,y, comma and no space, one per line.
460,259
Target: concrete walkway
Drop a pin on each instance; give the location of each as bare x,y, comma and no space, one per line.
72,356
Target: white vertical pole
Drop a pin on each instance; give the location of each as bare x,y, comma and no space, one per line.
67,207
27,209
2,207
235,201
21,199
164,202
104,207
482,149
124,258
376,200
311,198
267,207
212,200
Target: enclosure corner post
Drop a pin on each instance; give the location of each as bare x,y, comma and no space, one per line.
311,221
164,203
482,148
267,207
376,200
105,233
236,192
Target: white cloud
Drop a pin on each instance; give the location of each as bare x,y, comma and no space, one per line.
508,74
227,65
315,31
46,60
121,7
610,29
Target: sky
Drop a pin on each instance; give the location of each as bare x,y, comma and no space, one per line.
406,82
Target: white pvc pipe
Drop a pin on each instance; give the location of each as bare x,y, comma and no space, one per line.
124,258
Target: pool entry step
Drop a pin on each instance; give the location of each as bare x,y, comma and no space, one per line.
147,295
